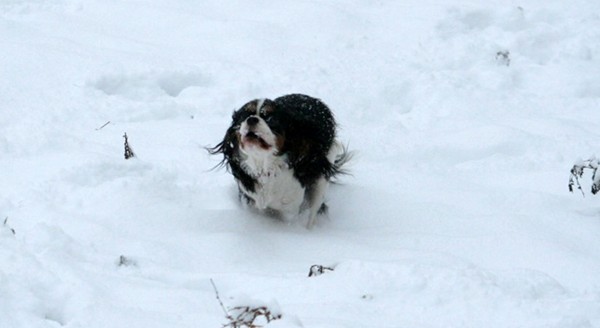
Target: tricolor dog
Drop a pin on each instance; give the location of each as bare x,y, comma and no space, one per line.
283,154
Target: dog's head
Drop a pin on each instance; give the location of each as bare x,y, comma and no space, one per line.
258,127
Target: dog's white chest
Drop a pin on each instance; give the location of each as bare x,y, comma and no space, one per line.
277,188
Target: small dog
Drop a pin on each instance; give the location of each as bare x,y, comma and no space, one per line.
283,154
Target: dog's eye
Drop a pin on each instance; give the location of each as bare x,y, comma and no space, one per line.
240,116
272,120
267,116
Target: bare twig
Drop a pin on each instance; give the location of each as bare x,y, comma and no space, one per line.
317,270
577,172
6,225
128,151
105,124
574,179
219,298
125,261
244,316
503,57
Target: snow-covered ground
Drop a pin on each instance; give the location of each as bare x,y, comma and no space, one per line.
465,116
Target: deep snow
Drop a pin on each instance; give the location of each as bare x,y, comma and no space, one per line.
465,118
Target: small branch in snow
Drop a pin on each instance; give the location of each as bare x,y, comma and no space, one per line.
503,57
244,316
125,261
102,127
219,299
6,225
128,151
577,172
317,270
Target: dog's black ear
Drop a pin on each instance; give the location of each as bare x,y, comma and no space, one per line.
225,147
228,147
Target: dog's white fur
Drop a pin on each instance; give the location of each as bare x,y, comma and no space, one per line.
277,187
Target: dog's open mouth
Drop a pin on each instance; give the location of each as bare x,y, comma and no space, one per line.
253,138
251,135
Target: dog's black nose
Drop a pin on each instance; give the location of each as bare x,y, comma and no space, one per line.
252,120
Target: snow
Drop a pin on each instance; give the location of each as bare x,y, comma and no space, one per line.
465,117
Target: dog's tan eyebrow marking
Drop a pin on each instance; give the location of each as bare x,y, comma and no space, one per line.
252,107
267,108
